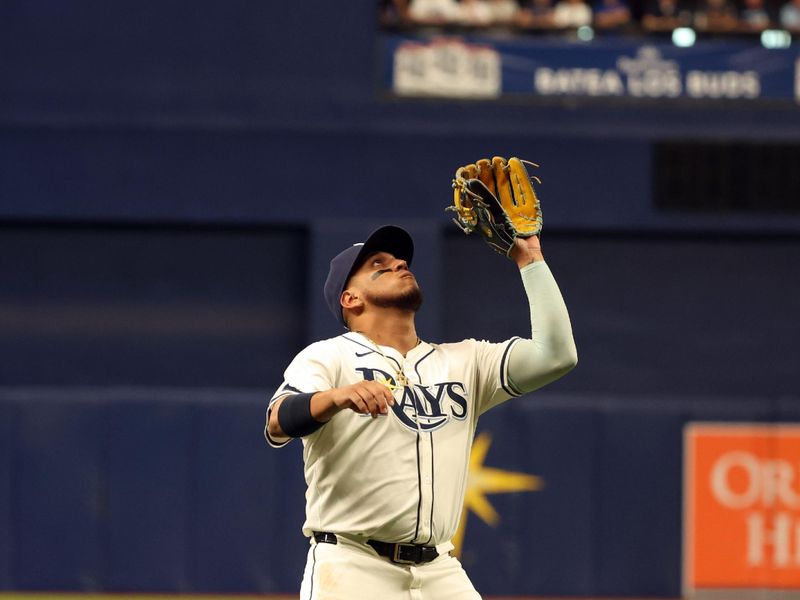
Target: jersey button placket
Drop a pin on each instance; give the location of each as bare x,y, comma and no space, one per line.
426,481
426,476
425,460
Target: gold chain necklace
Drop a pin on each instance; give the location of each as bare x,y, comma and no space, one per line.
400,378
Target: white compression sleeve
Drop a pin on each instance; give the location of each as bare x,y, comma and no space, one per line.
551,352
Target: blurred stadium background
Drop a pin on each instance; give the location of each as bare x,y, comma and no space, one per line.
175,176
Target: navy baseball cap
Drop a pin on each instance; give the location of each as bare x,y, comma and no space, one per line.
389,238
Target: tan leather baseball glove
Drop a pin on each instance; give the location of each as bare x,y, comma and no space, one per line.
497,199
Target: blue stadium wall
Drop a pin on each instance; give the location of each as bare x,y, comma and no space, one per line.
173,179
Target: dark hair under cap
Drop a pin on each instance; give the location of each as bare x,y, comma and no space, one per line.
389,238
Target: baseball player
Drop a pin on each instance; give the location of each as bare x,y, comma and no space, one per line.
387,422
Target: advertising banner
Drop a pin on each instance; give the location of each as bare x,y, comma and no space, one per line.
741,509
551,67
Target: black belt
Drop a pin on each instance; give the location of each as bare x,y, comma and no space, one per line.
402,554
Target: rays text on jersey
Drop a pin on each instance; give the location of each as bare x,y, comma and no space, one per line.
424,407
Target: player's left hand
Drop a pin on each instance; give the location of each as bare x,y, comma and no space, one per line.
496,198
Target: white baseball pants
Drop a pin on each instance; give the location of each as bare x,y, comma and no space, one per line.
352,571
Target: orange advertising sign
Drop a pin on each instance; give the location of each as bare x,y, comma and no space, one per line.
741,525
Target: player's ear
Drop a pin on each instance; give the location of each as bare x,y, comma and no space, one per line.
350,299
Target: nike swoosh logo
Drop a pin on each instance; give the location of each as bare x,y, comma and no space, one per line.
363,354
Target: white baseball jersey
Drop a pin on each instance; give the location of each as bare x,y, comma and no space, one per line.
399,477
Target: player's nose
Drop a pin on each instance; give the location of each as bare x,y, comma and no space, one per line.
400,265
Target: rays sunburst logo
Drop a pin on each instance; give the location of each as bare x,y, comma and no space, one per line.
483,481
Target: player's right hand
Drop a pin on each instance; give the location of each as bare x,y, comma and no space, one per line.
364,397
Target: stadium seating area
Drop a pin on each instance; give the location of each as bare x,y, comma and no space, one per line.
728,17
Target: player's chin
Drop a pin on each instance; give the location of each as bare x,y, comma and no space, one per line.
411,299
407,299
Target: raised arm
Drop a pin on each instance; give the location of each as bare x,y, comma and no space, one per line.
550,351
